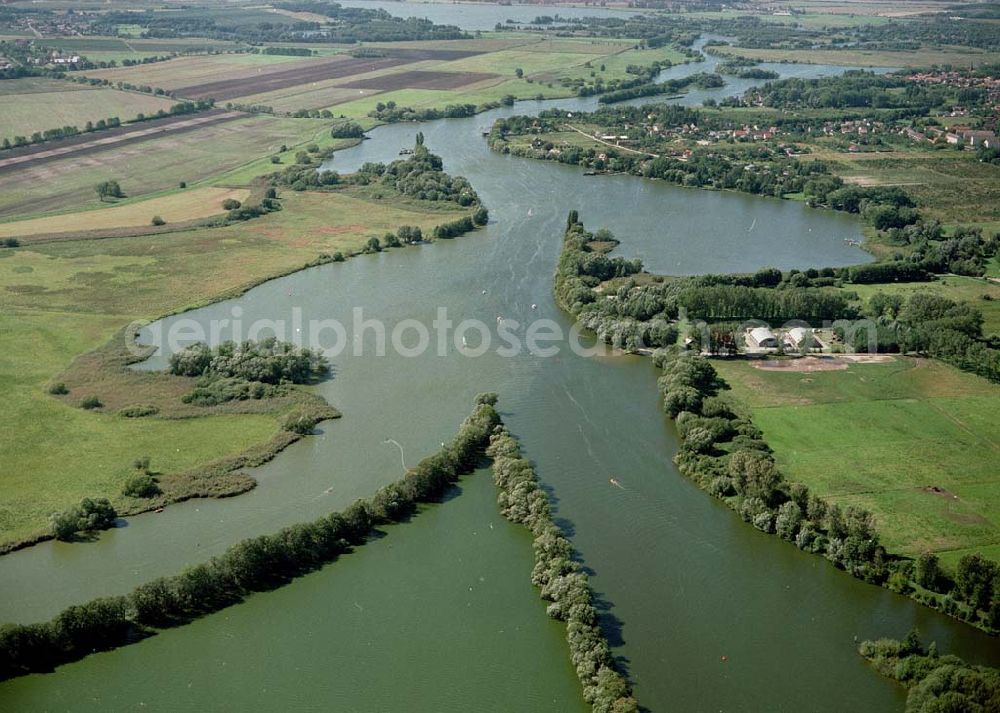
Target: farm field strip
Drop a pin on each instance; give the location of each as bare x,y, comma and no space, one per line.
183,71
330,69
206,152
50,106
188,205
99,144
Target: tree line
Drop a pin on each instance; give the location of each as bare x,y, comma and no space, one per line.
253,565
724,452
559,577
65,132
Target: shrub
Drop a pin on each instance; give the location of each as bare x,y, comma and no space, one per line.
58,389
299,423
11,243
157,220
140,485
231,204
138,411
91,402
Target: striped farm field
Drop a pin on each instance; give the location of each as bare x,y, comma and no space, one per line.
51,103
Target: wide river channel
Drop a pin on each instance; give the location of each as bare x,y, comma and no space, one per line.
706,613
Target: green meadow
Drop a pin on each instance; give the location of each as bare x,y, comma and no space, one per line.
914,441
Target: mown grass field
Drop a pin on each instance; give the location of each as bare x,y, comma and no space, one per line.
60,300
178,207
36,104
915,441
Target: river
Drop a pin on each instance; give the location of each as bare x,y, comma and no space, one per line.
439,615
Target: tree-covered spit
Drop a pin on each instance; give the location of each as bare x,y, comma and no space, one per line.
560,578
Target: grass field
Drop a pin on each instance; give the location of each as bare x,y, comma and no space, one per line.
35,104
949,185
954,287
914,441
61,300
154,166
174,208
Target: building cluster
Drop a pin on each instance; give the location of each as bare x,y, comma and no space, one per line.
62,24
746,132
962,79
956,135
853,127
763,339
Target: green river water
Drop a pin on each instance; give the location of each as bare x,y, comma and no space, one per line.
439,615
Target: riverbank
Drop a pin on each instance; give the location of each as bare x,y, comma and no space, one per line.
64,314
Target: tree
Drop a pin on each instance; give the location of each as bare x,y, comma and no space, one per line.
348,130
974,580
109,189
519,72
157,220
90,514
927,571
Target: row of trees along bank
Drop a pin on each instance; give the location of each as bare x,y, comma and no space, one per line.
253,565
269,561
726,455
724,452
559,576
633,311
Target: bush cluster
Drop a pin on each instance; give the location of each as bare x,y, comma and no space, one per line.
268,361
935,683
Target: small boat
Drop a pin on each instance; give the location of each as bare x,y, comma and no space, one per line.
534,306
405,152
465,342
617,484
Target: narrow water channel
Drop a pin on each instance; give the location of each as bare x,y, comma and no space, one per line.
686,582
